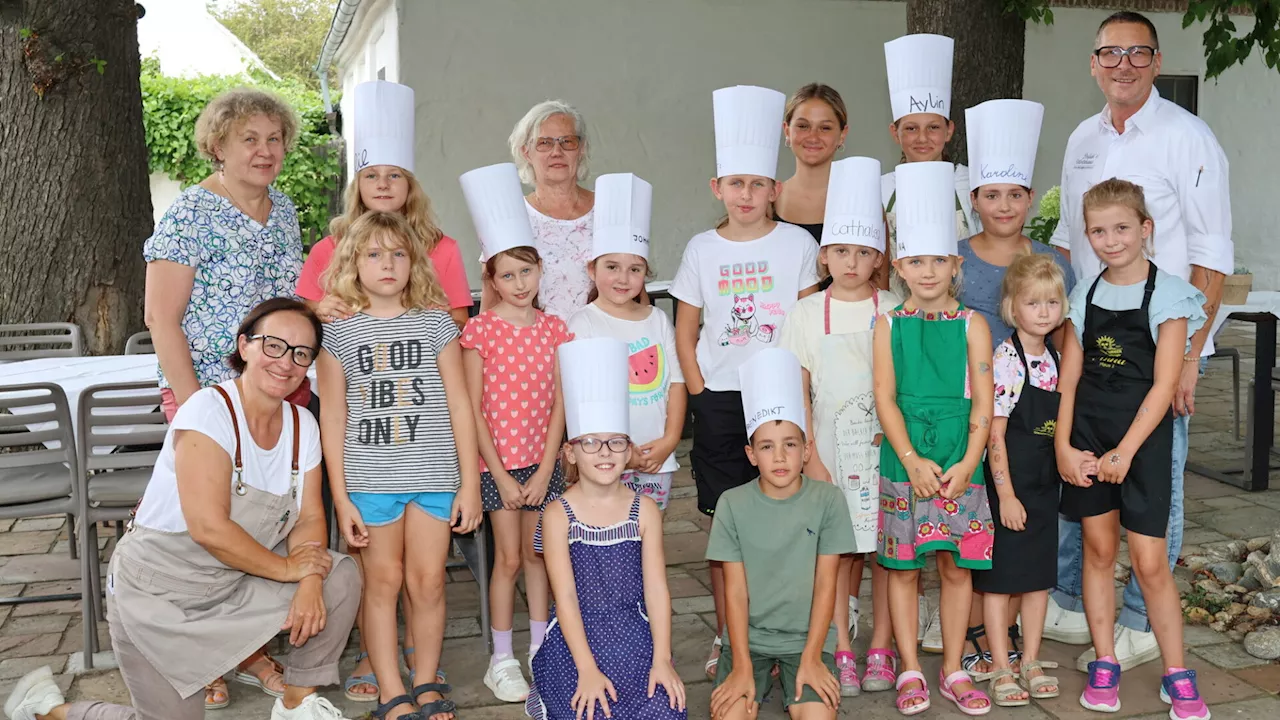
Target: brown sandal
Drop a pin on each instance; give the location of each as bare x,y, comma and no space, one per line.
269,674
211,693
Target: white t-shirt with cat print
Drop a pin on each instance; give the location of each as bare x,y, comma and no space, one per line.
745,290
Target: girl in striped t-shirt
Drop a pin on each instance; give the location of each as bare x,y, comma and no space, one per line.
400,445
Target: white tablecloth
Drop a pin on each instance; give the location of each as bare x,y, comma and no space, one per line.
1260,301
75,374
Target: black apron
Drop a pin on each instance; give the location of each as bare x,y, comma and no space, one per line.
1119,371
1027,561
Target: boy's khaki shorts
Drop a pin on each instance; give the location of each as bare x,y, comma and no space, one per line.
762,667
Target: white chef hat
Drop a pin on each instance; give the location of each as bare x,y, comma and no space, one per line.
1003,136
926,209
496,201
383,125
621,220
748,126
919,71
854,215
596,385
771,389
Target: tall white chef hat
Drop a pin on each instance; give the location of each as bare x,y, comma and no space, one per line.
854,215
496,201
771,389
383,125
926,209
919,71
1003,136
623,206
748,127
596,386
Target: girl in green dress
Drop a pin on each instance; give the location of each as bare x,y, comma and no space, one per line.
934,395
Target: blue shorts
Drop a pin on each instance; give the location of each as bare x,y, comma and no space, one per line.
380,509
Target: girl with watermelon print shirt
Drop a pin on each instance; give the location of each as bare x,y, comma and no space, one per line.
510,359
618,267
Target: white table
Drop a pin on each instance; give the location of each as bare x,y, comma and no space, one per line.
75,374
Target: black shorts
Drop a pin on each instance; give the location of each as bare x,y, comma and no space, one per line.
1143,498
719,456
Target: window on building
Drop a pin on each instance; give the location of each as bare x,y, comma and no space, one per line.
1181,89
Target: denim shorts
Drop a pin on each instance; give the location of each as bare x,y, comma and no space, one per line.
378,509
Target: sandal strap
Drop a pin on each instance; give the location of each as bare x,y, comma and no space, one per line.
436,707
967,697
968,662
911,676
882,652
441,688
381,711
958,676
1001,673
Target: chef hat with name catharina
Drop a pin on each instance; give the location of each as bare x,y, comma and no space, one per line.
496,201
919,71
1003,136
748,129
596,380
621,219
854,215
926,209
771,389
383,125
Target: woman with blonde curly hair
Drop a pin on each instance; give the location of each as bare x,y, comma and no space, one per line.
225,245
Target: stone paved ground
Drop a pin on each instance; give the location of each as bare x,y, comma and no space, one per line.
33,560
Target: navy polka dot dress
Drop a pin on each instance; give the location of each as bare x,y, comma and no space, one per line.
607,572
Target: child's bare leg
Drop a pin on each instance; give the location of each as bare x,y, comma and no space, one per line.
1151,565
1035,606
881,615
429,541
537,591
995,609
406,609
841,615
811,711
857,566
1101,543
363,667
983,644
384,576
957,595
506,567
904,614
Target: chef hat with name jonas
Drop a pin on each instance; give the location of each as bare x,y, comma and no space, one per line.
919,71
771,389
1003,136
383,125
621,221
748,129
854,215
595,378
496,201
926,209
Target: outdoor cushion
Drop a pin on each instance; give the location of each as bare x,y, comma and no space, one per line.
19,486
118,488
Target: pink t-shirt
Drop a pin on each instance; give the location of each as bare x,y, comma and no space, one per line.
519,382
446,258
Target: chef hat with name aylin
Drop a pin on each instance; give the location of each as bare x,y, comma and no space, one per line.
622,210
596,381
748,128
1003,135
383,125
854,215
926,209
771,389
919,71
496,201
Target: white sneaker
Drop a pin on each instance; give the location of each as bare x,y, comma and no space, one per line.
923,613
312,707
533,650
1066,626
35,694
1133,648
853,618
505,680
932,642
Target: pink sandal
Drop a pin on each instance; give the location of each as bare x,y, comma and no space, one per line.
882,666
963,700
921,693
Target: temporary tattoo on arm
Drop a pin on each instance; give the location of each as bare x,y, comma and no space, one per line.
983,368
996,457
983,422
1142,412
998,476
972,428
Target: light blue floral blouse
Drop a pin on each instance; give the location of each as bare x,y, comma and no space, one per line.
238,263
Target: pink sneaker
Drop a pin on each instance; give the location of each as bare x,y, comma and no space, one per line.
847,669
1178,688
1103,691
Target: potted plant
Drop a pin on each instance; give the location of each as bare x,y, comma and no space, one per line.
1045,222
1236,286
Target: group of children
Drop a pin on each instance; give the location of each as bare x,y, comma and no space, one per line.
827,425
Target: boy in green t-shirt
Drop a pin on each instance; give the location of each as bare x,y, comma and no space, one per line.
780,539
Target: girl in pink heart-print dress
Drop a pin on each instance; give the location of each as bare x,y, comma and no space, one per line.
510,356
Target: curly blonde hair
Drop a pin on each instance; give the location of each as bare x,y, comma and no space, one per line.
223,113
417,210
391,231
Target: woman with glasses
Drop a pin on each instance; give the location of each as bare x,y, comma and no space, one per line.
550,149
227,548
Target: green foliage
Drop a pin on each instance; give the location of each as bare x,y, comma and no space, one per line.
1222,47
170,107
1041,227
1036,11
286,34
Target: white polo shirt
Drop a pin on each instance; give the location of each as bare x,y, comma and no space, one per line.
1178,162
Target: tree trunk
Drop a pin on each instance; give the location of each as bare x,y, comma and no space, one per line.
989,54
75,202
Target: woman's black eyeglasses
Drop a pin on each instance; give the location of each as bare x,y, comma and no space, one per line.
274,347
591,445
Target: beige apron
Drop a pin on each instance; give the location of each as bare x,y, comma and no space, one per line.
193,617
845,422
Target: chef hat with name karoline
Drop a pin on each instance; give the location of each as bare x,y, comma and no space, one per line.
383,127
919,71
1003,136
595,377
854,215
496,201
771,389
748,123
926,209
623,206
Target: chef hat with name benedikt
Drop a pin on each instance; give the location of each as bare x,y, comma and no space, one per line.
926,209
1003,136
854,215
595,377
621,220
919,71
383,126
496,201
771,389
748,129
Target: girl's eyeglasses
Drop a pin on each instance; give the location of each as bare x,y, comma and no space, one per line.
591,445
274,347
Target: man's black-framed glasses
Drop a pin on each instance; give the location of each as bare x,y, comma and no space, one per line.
591,446
274,347
1140,56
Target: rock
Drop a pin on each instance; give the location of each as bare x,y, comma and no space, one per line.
1197,616
1269,599
1236,589
1209,587
1196,562
1250,579
1218,626
1258,613
1245,626
1183,586
1235,635
1259,543
1237,548
1227,572
1275,538
1263,643
1236,609
1185,603
1222,617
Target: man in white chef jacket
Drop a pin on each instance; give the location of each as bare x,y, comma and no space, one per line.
1141,137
